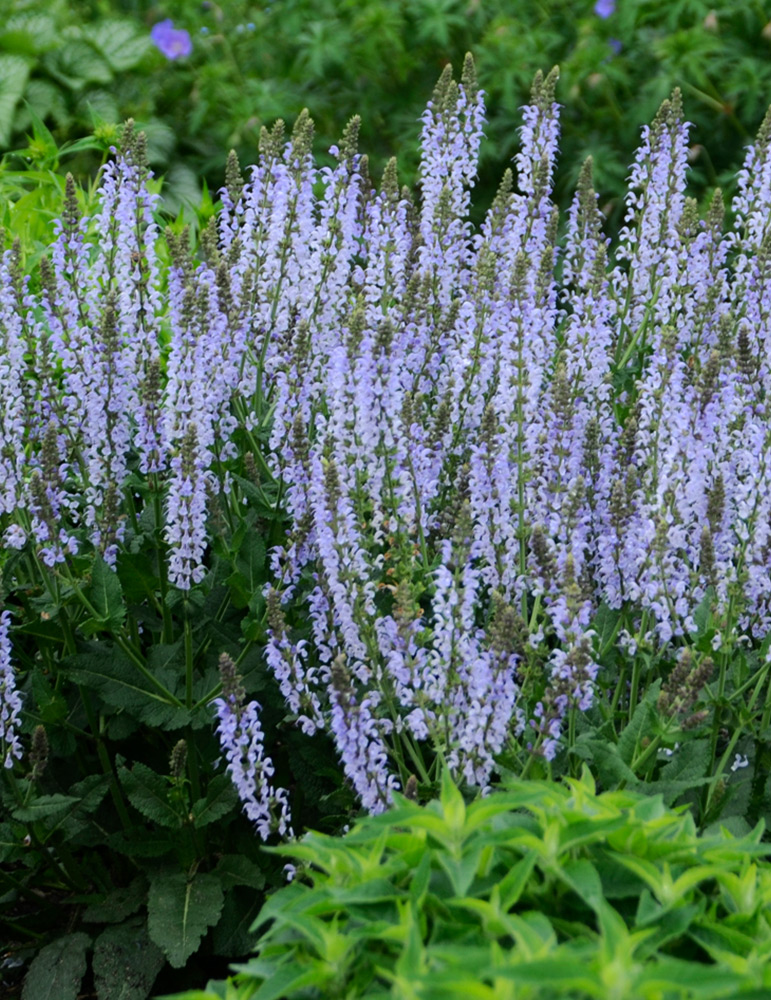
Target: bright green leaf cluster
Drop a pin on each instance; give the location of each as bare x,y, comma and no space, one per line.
535,892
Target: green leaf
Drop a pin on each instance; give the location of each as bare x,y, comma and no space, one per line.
116,679
453,806
179,912
45,807
119,904
13,79
139,844
285,981
148,792
28,34
57,970
221,798
640,725
120,42
583,878
605,624
235,869
232,936
76,64
126,962
249,576
106,595
516,879
606,762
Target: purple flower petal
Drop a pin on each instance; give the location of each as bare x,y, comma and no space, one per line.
172,42
604,8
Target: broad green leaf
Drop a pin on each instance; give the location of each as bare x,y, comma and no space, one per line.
235,869
13,79
453,806
120,41
582,876
606,762
639,726
57,969
250,561
120,684
119,905
221,798
605,624
77,63
126,962
148,792
179,912
45,807
139,844
516,879
461,870
106,595
285,981
232,937
28,34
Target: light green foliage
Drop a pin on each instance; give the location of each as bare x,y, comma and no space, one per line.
535,892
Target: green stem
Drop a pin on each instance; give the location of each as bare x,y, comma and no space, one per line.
188,659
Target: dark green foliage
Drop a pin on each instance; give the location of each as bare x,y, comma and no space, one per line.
239,79
255,63
57,970
536,892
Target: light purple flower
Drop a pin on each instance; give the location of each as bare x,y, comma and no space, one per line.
604,8
10,699
250,769
172,42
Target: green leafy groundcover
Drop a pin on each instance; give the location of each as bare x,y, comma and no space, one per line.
538,891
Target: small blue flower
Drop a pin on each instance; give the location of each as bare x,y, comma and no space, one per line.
173,42
615,44
604,8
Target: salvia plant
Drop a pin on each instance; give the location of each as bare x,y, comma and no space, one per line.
539,891
356,479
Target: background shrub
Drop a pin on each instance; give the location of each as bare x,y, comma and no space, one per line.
92,62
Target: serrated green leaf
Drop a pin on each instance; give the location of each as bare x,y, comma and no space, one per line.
221,798
120,42
605,625
235,869
28,33
45,807
119,904
77,63
13,79
180,911
148,792
606,762
232,937
57,970
107,671
106,595
138,844
126,962
639,726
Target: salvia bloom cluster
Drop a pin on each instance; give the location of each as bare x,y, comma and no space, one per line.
480,435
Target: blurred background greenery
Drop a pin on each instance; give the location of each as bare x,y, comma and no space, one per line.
72,70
